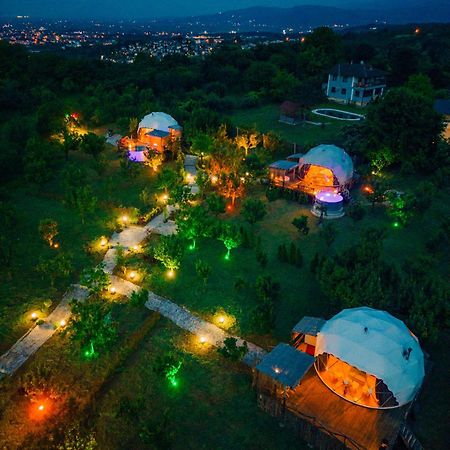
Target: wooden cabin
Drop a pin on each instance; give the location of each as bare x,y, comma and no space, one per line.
304,334
283,173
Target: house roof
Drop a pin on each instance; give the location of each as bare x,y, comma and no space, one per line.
356,70
175,127
158,133
442,106
309,325
286,365
283,165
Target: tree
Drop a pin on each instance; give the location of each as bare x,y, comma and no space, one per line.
133,127
216,203
8,222
202,143
168,365
301,223
73,177
380,159
92,145
39,156
153,159
203,270
85,201
328,233
56,267
253,210
191,224
420,84
403,120
167,180
48,230
71,142
169,251
247,140
231,238
267,292
139,298
95,279
356,211
91,326
233,351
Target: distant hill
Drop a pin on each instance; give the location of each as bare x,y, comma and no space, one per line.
273,19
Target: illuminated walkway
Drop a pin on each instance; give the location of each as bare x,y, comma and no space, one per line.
37,336
206,330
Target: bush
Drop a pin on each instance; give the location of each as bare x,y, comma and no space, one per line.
231,350
138,298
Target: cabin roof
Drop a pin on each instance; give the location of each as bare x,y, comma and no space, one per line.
286,365
158,133
309,325
283,164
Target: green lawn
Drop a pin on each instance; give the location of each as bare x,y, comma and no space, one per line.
265,118
212,407
24,290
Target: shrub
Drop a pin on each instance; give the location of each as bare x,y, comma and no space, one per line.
231,350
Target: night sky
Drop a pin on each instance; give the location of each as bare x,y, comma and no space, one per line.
116,9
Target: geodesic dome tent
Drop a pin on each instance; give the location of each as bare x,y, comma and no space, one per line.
157,121
370,358
326,167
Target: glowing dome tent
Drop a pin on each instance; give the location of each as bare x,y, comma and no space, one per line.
326,167
157,121
370,358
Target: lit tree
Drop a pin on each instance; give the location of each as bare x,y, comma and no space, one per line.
167,180
91,326
169,251
48,229
301,223
231,238
133,127
380,159
95,279
247,141
253,210
191,223
153,159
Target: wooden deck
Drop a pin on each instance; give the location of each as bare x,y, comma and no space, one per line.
357,427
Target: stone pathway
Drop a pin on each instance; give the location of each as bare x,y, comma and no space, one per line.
212,333
30,342
190,162
133,235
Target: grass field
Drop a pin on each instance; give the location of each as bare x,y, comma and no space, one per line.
265,118
24,290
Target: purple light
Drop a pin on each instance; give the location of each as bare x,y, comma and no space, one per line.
329,197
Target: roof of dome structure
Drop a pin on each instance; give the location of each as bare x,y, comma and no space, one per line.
158,121
332,157
377,343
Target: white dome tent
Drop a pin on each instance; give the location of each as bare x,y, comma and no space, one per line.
370,358
326,167
157,121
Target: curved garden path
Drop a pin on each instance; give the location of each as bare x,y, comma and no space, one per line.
31,341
